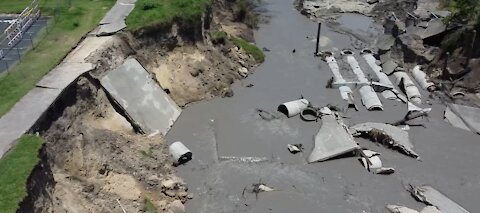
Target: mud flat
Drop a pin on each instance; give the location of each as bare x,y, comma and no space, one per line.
234,147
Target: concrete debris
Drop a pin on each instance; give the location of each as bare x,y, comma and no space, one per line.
264,188
371,161
413,112
148,106
463,117
332,63
387,135
180,153
295,148
412,46
403,209
333,139
325,111
293,108
431,196
176,207
406,83
422,79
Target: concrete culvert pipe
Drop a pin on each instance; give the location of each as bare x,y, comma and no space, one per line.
309,114
293,108
180,153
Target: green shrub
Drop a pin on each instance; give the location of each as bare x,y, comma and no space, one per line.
249,48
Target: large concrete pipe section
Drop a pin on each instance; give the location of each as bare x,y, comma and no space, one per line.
369,97
382,77
411,90
422,79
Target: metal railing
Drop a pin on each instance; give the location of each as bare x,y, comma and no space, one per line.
14,33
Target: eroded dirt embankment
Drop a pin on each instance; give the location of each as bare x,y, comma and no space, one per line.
94,160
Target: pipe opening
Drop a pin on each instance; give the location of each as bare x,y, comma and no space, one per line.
367,51
283,109
347,52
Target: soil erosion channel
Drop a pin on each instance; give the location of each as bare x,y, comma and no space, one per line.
234,147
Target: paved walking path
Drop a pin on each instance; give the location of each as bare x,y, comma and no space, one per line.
35,103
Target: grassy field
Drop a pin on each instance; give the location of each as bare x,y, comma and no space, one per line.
71,24
249,48
153,12
15,167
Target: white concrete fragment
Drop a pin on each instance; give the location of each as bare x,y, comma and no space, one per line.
292,148
376,163
400,209
293,108
332,63
421,78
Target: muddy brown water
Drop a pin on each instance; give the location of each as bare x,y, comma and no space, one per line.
230,128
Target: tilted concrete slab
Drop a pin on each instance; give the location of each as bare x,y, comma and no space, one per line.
141,97
64,74
24,115
332,140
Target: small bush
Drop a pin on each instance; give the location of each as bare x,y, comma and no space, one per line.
148,206
218,37
249,49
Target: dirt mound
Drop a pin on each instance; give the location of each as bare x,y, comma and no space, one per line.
98,162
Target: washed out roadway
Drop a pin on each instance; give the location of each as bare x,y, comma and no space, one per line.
230,127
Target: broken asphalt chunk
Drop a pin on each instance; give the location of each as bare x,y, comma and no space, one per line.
386,134
431,196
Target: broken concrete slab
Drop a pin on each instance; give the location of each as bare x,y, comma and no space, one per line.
114,20
141,97
64,74
463,117
385,42
24,115
435,27
431,196
386,134
403,209
333,139
110,28
389,66
86,48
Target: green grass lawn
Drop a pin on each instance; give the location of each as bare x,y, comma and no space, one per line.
154,12
15,168
71,24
